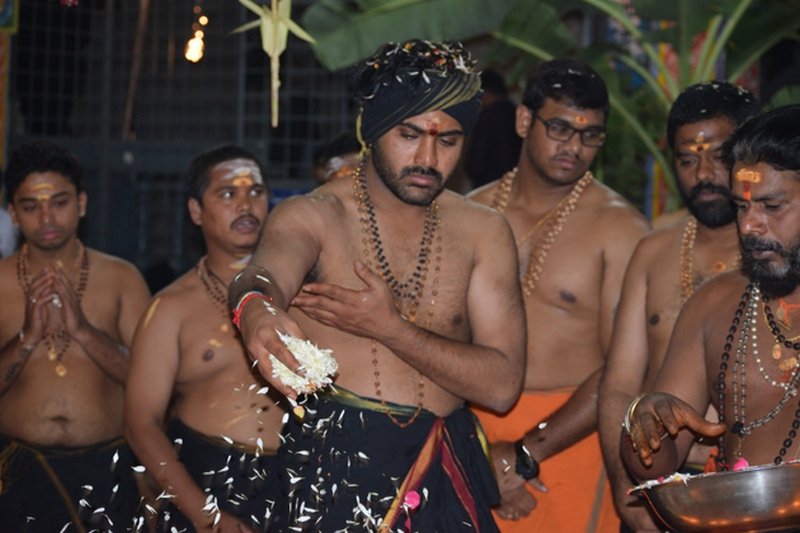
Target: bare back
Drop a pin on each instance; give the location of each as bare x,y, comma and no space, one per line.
84,406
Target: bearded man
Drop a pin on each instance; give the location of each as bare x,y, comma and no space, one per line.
414,288
743,357
669,264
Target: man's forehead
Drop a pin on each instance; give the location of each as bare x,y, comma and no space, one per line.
433,121
41,185
713,130
577,116
238,172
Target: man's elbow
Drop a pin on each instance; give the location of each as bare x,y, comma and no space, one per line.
506,392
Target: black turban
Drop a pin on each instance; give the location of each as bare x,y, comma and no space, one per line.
413,78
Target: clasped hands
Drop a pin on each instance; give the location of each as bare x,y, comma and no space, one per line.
51,288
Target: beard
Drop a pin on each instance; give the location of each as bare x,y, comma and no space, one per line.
409,194
713,214
774,279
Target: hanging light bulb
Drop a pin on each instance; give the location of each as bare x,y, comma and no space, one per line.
195,47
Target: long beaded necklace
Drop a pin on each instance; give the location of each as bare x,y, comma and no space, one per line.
687,247
410,290
741,427
687,250
51,338
215,288
555,219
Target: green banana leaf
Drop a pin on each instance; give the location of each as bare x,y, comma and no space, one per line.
347,31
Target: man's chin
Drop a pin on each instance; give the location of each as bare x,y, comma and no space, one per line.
713,214
773,285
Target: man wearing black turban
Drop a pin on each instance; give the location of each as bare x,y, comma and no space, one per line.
414,289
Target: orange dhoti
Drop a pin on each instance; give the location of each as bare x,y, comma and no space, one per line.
579,497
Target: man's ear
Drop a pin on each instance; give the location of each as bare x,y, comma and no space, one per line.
13,213
82,200
195,210
524,118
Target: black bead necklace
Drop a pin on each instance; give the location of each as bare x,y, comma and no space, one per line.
739,427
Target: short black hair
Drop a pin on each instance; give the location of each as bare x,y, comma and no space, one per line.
41,156
570,81
772,138
205,161
707,100
344,143
493,82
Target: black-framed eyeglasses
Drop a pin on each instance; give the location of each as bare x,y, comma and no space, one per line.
560,130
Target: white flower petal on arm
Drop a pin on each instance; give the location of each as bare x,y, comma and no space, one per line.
318,365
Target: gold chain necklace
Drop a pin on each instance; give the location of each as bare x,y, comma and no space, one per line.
371,239
555,218
51,338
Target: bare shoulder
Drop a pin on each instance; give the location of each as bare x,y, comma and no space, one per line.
318,206
718,293
615,224
179,297
661,241
472,215
485,193
112,268
8,269
613,207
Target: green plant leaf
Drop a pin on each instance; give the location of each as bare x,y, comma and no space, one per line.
344,35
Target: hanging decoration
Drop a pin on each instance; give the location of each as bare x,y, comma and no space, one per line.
275,25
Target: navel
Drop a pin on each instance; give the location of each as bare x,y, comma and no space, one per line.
457,320
655,318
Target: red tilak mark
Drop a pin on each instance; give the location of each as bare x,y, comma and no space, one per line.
747,194
434,131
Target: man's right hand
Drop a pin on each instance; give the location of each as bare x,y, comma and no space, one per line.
657,415
259,325
515,504
39,295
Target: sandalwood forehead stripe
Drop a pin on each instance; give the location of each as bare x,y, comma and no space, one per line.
745,174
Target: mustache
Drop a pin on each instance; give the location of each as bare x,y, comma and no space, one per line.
707,186
422,171
247,217
756,244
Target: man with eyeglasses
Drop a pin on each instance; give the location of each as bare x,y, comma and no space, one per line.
574,238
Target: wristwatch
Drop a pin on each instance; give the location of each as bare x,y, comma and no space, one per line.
526,466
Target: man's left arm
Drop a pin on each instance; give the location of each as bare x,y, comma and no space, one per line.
577,418
110,355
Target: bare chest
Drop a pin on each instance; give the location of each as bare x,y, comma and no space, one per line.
210,349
